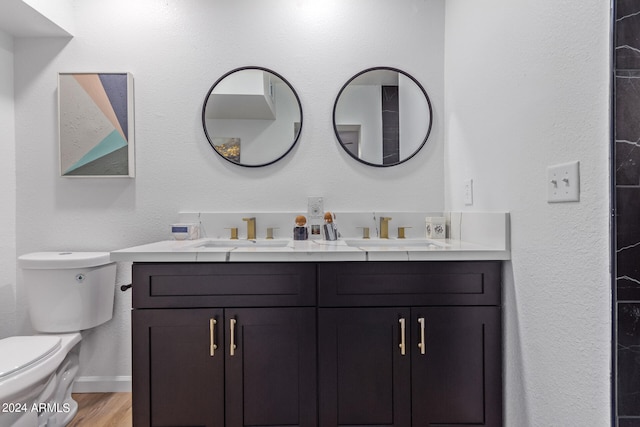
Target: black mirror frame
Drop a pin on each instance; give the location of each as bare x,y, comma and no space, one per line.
424,92
204,109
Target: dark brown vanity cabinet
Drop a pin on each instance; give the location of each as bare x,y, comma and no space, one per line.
176,381
306,344
410,344
251,361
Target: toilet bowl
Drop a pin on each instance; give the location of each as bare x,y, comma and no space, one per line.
67,292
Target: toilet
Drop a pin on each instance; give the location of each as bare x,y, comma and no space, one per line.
67,292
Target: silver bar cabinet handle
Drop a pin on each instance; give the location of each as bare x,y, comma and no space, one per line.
212,337
422,345
402,337
232,344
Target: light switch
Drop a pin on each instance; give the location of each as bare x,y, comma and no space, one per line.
563,182
468,192
314,207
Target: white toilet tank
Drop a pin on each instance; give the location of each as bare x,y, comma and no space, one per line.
68,291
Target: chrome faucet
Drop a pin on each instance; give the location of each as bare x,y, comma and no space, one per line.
251,227
384,227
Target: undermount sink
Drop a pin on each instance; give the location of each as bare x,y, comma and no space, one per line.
241,243
413,243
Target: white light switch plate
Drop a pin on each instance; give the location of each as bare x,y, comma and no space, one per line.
563,182
468,192
315,207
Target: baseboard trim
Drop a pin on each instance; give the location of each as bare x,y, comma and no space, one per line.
95,384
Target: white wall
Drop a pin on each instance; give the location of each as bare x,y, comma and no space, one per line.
7,190
527,86
176,49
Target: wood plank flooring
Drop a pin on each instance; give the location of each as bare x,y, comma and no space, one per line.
102,410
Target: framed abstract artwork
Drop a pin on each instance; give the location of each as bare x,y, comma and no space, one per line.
95,114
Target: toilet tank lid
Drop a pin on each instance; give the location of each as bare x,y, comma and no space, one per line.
60,260
17,353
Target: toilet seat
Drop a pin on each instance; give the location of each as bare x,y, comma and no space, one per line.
19,353
13,385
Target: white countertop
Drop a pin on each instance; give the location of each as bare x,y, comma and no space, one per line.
473,236
309,250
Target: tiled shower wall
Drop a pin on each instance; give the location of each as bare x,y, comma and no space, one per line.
627,219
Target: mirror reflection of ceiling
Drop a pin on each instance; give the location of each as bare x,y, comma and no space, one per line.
382,116
252,117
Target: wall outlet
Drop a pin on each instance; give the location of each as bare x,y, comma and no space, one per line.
563,182
468,192
315,208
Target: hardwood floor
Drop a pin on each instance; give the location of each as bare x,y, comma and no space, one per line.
102,410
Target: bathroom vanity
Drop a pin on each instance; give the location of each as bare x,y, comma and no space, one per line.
224,344
308,335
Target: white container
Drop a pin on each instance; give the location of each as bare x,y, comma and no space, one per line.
186,231
68,291
436,227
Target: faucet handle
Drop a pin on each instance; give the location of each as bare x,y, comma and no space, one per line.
365,232
270,232
234,233
401,232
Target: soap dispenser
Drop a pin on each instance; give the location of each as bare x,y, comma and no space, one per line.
330,231
300,231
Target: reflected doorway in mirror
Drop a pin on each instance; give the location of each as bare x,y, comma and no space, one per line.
350,137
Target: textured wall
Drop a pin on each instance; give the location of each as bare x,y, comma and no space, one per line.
7,190
176,50
527,86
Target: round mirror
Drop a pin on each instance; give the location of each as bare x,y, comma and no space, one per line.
382,116
252,116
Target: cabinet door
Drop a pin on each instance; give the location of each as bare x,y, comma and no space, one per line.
364,377
271,367
456,378
177,376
